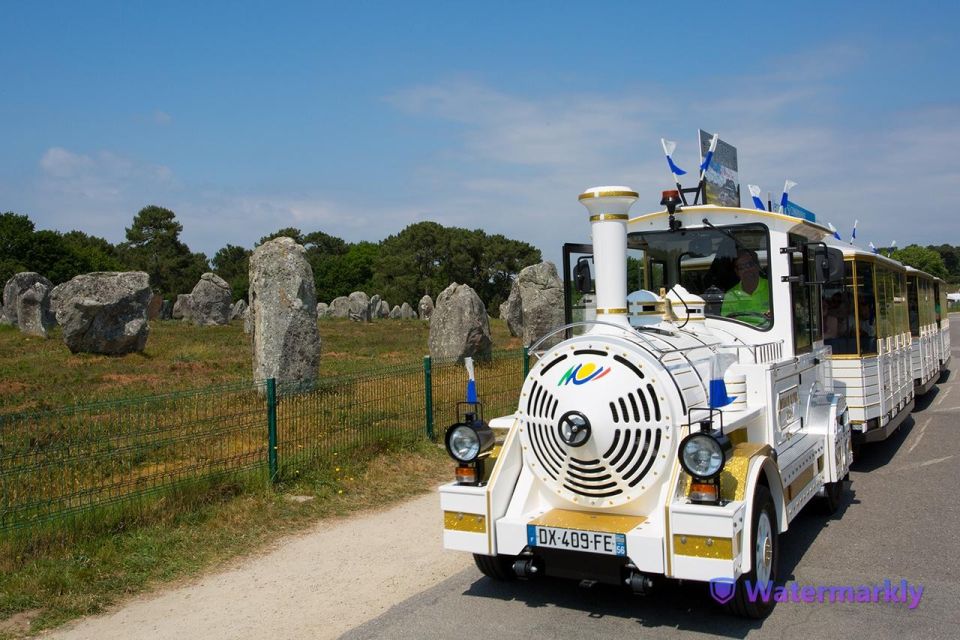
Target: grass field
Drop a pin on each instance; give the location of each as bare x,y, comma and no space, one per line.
43,374
47,580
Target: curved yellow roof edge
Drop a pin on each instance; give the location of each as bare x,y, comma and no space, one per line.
739,210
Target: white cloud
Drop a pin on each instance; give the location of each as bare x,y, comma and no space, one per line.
162,118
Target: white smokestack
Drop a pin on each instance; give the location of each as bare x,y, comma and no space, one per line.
609,207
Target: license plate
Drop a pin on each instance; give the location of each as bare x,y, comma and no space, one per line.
613,544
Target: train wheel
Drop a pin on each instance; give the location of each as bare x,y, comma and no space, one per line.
496,567
766,554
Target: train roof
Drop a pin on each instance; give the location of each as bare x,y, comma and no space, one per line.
780,221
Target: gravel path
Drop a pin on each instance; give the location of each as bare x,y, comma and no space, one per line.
315,585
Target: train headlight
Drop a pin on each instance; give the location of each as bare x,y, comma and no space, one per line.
703,454
467,441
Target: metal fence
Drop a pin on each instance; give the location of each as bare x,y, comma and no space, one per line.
58,464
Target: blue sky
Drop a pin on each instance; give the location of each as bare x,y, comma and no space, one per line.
359,118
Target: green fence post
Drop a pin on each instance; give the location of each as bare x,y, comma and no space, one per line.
428,394
526,361
272,428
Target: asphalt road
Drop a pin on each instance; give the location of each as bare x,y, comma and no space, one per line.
899,521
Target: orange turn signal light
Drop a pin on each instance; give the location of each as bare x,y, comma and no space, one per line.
466,475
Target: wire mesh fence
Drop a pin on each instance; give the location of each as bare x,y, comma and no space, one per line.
55,465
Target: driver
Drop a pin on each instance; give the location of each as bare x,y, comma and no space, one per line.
749,299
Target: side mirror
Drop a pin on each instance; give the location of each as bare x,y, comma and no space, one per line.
581,276
835,259
817,258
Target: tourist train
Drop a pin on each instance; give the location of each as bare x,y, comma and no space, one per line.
718,367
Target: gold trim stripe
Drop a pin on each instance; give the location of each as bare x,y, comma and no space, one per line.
600,217
586,521
805,477
612,311
469,522
608,194
703,546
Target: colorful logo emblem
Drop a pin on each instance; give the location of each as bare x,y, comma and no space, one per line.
583,373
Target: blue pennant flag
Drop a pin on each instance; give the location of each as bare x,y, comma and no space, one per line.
707,159
853,236
873,248
668,148
755,194
836,234
785,198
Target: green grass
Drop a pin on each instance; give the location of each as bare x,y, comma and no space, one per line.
59,582
43,374
47,578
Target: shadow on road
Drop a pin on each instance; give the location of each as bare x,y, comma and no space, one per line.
686,606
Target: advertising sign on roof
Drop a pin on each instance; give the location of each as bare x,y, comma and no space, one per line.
721,182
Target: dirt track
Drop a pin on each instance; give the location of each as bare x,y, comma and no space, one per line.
315,585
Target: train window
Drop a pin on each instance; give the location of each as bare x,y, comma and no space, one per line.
913,305
839,318
727,266
866,307
806,304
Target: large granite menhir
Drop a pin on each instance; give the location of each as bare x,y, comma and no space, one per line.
15,286
105,312
283,306
459,326
211,301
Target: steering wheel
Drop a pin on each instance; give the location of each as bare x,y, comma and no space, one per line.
751,314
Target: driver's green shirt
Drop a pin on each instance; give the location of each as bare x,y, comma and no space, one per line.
736,301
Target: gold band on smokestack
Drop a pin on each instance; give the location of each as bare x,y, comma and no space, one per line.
609,211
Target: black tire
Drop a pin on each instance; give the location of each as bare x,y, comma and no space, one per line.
496,567
832,497
740,605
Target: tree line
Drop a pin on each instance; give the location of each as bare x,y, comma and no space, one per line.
422,259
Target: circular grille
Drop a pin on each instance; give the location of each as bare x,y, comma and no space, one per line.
622,399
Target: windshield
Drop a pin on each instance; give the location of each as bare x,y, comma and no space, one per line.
726,266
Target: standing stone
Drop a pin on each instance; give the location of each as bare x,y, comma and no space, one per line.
210,301
323,309
374,305
106,312
395,312
283,303
459,327
511,311
383,311
15,286
33,311
154,307
425,307
407,312
359,306
183,307
340,307
238,308
541,301
248,321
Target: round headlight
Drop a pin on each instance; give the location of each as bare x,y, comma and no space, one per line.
701,455
463,443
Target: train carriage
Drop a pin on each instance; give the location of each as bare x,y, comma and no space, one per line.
868,330
676,431
925,351
941,313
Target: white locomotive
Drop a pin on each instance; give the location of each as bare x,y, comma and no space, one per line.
672,433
